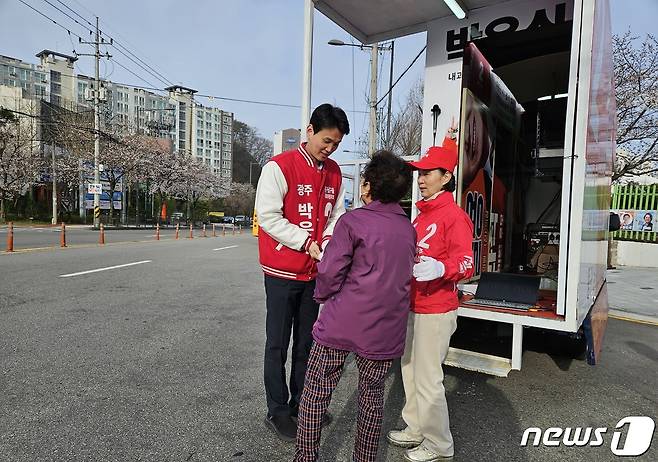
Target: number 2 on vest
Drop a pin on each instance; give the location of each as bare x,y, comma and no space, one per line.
431,231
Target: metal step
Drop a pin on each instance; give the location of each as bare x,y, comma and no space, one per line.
478,362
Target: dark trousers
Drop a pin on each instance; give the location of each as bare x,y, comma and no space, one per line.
290,308
324,370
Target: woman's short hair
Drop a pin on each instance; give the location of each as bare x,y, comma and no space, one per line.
389,176
451,185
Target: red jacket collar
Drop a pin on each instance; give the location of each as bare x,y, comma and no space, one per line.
309,159
441,200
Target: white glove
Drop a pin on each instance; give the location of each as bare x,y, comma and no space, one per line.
428,269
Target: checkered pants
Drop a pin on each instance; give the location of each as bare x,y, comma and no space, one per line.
325,366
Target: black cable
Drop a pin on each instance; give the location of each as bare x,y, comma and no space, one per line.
75,13
133,73
49,18
402,75
67,15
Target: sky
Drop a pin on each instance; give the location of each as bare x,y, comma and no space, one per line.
245,49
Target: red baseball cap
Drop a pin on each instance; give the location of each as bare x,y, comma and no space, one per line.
444,157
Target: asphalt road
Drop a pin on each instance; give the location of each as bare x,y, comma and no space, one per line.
162,361
40,237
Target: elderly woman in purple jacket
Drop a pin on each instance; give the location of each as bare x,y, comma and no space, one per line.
364,282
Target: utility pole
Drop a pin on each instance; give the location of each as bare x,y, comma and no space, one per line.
54,178
390,96
372,131
97,120
309,8
97,135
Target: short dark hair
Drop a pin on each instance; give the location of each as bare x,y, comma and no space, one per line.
451,185
389,176
328,116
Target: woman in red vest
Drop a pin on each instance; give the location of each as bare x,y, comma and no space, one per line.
444,257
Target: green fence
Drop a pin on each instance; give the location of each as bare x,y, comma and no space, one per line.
637,207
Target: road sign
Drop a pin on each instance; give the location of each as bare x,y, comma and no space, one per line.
97,212
95,188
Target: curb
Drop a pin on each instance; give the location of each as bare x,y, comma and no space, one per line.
633,317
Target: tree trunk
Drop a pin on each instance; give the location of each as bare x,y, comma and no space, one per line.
2,208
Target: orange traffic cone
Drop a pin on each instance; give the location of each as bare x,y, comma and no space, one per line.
10,237
176,231
62,236
101,235
191,234
157,231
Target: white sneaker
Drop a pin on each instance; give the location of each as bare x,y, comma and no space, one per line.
402,439
422,454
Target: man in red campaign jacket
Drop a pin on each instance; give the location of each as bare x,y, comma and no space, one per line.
444,257
298,201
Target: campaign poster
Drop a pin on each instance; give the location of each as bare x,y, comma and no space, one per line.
645,221
626,218
488,108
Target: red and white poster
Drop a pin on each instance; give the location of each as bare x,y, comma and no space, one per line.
488,107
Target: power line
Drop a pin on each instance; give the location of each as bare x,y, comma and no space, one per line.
138,61
67,15
402,75
75,13
133,73
114,42
49,18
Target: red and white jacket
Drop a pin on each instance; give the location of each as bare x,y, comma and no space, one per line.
297,202
445,233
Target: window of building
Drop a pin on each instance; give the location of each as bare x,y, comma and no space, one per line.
199,133
39,91
55,88
54,76
226,173
227,128
209,125
209,134
215,154
227,120
226,146
55,99
226,137
199,152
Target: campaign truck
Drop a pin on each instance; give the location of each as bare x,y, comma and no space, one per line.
529,83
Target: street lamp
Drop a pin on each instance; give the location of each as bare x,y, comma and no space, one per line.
373,86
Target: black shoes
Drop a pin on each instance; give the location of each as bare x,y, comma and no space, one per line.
283,426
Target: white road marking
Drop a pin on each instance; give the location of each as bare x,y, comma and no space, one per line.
224,248
104,269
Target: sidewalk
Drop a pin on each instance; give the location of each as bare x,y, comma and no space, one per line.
634,290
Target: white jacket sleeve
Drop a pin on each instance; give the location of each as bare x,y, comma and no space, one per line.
338,210
272,188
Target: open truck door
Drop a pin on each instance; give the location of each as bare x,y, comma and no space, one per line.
545,183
